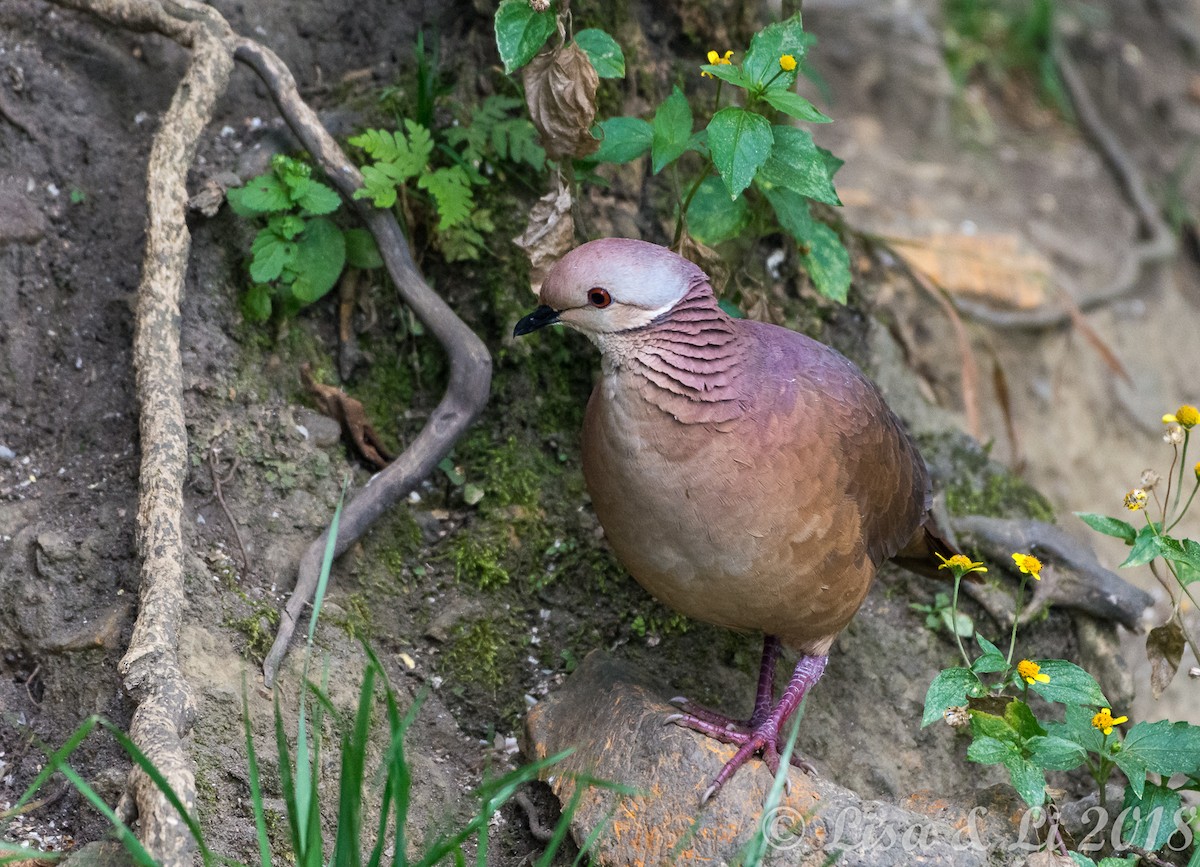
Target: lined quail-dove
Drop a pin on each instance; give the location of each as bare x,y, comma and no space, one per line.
745,474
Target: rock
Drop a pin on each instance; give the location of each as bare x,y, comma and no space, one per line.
103,853
20,221
612,718
324,431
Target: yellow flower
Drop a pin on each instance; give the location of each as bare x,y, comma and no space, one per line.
1029,565
1187,417
1105,721
960,565
1135,500
1032,672
1196,470
715,59
787,63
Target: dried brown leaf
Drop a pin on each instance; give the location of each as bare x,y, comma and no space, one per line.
560,91
994,268
350,414
549,234
1164,649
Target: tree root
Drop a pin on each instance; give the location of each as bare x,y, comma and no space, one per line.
1157,247
151,666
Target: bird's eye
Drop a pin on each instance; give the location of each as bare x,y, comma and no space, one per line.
599,298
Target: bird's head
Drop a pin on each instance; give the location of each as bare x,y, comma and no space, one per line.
612,285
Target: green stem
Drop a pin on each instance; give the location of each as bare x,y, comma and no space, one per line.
1170,479
1012,638
1187,435
687,202
954,609
1186,506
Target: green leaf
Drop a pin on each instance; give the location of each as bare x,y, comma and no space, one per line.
1146,546
286,226
1055,753
797,164
828,263
1069,684
1021,718
1028,780
740,142
361,250
990,663
711,217
987,647
377,186
768,45
822,253
1134,769
272,254
623,139
256,303
990,751
984,724
794,105
315,198
320,257
1165,747
265,194
1109,526
726,72
1150,820
1078,728
671,130
832,163
451,190
521,32
1181,552
949,689
1081,860
603,51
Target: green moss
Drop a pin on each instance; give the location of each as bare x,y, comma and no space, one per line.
401,536
977,485
479,558
481,667
354,616
257,625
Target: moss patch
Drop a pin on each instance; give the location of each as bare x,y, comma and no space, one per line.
977,485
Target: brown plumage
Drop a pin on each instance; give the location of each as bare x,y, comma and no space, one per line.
745,474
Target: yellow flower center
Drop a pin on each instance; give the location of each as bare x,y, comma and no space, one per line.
1197,471
1031,672
1187,417
1029,565
787,63
1105,721
1135,499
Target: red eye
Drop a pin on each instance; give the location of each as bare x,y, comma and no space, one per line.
599,298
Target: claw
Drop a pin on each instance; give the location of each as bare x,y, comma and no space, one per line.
672,718
679,699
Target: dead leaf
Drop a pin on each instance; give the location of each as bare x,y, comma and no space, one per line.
994,268
1000,385
1046,858
549,234
349,412
560,92
1164,649
707,258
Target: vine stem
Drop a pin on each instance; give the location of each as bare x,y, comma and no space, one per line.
1012,637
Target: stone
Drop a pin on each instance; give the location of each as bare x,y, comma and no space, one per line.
613,718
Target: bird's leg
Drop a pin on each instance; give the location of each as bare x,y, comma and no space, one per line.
765,736
710,722
765,697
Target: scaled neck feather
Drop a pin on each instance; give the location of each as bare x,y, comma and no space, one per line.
688,361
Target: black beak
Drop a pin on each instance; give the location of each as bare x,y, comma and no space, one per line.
539,318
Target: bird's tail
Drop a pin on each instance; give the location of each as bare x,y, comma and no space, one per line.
924,552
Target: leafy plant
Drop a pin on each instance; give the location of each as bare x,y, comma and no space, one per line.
299,253
1153,544
998,39
753,169
300,783
989,695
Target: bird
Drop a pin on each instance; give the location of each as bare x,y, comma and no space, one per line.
745,475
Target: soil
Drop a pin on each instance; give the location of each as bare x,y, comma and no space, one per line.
487,607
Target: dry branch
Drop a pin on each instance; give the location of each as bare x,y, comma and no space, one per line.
151,665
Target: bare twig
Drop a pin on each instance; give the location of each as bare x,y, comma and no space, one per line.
217,481
470,365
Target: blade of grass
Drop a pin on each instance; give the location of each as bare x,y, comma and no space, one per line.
561,828
256,799
286,781
346,852
10,852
